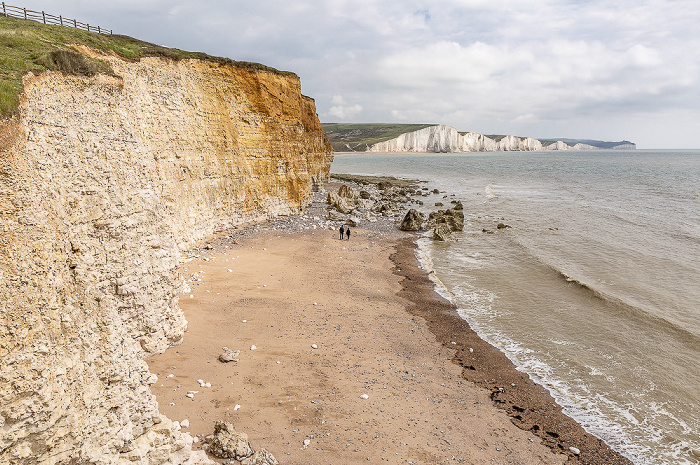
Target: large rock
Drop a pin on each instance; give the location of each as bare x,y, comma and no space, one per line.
260,457
441,232
341,204
454,219
227,443
413,221
348,192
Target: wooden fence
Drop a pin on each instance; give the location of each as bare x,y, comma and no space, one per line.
22,13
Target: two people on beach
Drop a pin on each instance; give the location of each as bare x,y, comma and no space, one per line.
344,230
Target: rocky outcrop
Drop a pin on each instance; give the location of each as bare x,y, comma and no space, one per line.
104,181
444,222
413,221
446,139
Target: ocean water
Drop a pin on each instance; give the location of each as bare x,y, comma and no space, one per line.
594,290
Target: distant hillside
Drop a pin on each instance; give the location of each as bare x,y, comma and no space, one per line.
623,144
369,137
359,137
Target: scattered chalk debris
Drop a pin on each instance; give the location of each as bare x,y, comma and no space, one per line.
314,346
185,423
364,396
237,407
575,450
253,347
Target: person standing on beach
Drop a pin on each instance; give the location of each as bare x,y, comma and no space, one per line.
342,230
347,231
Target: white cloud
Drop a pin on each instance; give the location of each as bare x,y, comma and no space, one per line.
344,112
585,68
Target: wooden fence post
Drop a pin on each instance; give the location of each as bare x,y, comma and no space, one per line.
43,15
98,30
4,13
25,13
60,19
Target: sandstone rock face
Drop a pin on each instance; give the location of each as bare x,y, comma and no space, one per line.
103,182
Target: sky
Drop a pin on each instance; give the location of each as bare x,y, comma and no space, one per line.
581,69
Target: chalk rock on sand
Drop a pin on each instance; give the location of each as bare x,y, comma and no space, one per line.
261,457
229,355
341,204
413,221
348,192
228,444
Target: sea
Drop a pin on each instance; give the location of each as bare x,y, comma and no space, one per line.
594,288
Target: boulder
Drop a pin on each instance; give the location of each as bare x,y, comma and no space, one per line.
261,457
365,195
454,219
353,221
441,232
384,185
348,192
229,355
413,221
226,443
340,203
458,205
502,226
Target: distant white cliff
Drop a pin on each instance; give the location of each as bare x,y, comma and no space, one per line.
446,139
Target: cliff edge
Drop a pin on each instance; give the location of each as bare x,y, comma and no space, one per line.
104,181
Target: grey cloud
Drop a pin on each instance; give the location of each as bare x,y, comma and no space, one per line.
586,68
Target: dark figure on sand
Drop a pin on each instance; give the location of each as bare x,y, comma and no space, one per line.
347,232
342,230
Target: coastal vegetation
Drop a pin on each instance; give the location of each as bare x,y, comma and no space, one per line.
28,46
358,137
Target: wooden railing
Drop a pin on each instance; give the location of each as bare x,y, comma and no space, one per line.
22,13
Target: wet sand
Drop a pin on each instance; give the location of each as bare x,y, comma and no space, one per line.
380,330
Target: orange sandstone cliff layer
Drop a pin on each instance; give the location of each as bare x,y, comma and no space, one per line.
104,181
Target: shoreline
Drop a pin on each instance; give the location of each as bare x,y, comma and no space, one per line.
410,318
529,405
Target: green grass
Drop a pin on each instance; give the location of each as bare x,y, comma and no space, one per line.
28,46
358,137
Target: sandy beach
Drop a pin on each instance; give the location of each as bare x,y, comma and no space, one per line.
345,344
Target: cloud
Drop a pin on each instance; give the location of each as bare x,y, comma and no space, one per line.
585,68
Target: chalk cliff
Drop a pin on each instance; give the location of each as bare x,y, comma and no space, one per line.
104,181
446,139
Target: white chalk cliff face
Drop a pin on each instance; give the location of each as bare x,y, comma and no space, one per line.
104,181
446,139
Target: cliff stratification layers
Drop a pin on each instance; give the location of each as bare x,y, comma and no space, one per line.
103,182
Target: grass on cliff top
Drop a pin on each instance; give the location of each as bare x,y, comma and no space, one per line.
358,137
28,46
